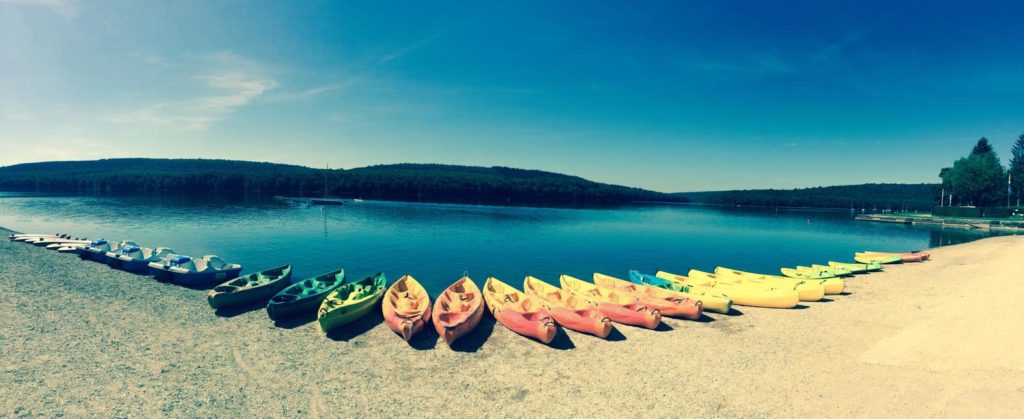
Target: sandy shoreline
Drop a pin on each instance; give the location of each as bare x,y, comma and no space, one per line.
939,338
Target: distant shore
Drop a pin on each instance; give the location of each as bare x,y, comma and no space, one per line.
918,340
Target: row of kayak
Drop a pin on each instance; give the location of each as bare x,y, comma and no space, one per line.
535,311
162,262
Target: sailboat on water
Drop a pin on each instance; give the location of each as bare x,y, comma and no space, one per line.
318,201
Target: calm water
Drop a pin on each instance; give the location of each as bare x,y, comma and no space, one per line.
437,242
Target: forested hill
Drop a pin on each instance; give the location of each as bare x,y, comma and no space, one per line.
870,196
421,182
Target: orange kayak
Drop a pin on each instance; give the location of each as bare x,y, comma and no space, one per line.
567,309
619,307
668,305
406,307
518,312
458,310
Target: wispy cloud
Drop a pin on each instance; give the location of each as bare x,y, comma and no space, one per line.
410,48
852,37
228,85
66,8
312,92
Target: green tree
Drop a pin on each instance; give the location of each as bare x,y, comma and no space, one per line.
1017,166
979,178
982,147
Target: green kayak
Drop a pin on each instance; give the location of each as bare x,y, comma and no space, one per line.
303,297
837,272
801,274
250,289
857,268
351,301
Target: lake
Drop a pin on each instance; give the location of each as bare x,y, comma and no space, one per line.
436,243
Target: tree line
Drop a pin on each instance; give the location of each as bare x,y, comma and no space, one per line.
980,180
421,182
872,196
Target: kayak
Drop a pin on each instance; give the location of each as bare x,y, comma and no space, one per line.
351,301
185,270
518,312
669,305
809,289
250,289
406,307
303,297
710,299
906,257
46,241
835,270
619,307
567,309
26,236
458,310
857,267
881,260
806,274
833,284
741,291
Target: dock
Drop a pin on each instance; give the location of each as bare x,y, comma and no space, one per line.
952,222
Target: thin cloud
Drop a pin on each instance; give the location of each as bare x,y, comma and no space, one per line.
232,84
311,92
65,8
409,48
851,37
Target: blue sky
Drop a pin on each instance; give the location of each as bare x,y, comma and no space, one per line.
674,96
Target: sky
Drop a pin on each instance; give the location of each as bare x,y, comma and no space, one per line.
670,96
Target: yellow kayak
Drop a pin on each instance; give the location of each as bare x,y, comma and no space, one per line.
833,284
741,292
809,289
711,299
881,259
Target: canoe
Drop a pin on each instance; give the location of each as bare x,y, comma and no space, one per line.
906,257
406,307
351,301
253,288
185,270
710,299
621,308
44,242
138,260
304,297
881,260
519,312
832,283
568,310
741,291
458,310
669,305
857,267
809,289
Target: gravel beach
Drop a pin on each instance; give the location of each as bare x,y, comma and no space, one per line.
940,338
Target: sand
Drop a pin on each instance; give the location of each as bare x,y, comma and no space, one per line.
940,338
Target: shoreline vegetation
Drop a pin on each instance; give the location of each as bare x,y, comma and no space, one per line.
134,347
402,182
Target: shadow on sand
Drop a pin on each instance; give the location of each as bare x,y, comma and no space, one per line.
358,327
615,335
704,318
295,321
562,341
233,311
663,327
475,339
426,339
844,293
801,307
